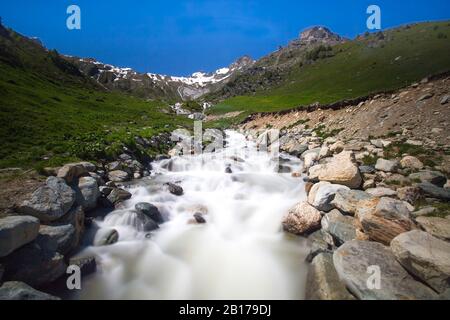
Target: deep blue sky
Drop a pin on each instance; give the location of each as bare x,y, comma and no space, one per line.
179,37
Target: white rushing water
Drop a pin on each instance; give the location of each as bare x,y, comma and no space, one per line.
240,253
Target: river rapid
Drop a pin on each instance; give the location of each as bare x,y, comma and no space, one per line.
240,252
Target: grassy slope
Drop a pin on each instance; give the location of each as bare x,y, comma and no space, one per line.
357,70
49,111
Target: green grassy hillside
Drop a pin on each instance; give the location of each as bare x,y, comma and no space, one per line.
51,114
366,65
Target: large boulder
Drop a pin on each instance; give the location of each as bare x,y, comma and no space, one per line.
49,202
16,231
118,176
424,256
412,163
37,263
302,219
357,263
150,211
323,283
341,169
434,191
438,227
341,228
386,220
387,165
349,201
87,193
64,236
14,290
322,193
434,177
72,171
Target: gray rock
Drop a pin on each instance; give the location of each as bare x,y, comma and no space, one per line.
14,290
367,169
64,235
118,195
49,202
90,167
437,227
16,231
349,200
114,166
323,282
199,218
298,149
315,151
387,165
322,193
445,99
75,217
72,171
118,176
354,261
424,211
37,263
434,191
150,211
175,189
87,193
424,256
2,271
106,237
434,177
341,228
410,162
319,242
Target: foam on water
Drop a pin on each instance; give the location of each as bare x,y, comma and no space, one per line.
240,253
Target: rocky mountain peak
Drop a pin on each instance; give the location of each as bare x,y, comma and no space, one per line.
319,34
242,62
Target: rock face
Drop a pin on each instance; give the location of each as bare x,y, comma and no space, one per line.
356,263
438,227
323,282
87,193
387,165
349,201
386,220
341,170
425,256
37,263
340,227
64,236
49,202
20,291
75,217
150,211
322,193
16,231
302,219
71,171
